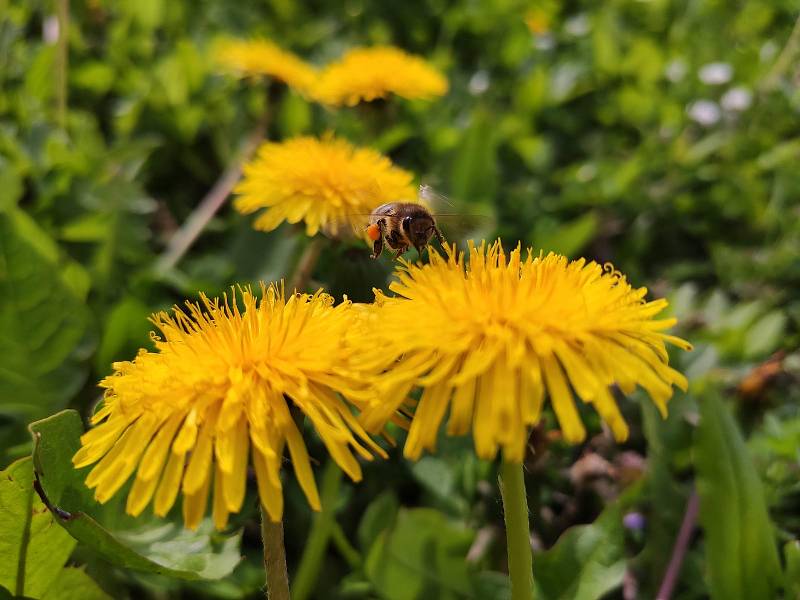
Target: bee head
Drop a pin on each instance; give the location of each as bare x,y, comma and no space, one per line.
418,229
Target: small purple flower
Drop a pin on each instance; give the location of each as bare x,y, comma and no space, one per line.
634,521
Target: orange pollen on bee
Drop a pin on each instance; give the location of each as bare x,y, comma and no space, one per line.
374,232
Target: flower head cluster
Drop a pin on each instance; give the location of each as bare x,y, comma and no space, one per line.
325,183
262,57
491,339
366,74
221,393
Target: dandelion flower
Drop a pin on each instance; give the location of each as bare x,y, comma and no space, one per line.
325,183
217,395
366,74
491,339
262,57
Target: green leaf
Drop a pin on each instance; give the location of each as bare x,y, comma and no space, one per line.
379,516
474,175
741,551
125,329
74,584
435,475
765,335
10,186
587,562
142,543
421,556
33,546
42,322
33,549
791,553
567,239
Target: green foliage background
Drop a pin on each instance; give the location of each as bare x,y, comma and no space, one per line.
598,131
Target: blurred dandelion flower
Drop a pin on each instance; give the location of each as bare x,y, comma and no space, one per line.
262,57
366,74
490,339
219,389
327,183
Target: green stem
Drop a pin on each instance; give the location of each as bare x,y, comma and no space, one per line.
321,529
345,548
784,61
305,266
274,558
518,533
197,221
62,60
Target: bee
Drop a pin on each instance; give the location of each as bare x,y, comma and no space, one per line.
401,225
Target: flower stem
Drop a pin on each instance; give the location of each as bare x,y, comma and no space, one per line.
518,534
305,266
62,61
680,548
194,225
274,558
322,525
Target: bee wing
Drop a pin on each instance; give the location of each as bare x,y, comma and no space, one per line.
429,196
464,227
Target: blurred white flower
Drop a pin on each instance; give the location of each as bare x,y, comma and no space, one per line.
716,73
578,25
586,172
479,82
704,112
50,30
768,51
736,99
544,42
675,70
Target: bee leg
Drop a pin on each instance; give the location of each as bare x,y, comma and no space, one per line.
377,245
377,248
439,236
399,252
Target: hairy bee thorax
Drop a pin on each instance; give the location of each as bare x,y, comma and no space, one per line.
401,225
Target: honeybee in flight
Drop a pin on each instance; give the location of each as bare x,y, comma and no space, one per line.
402,225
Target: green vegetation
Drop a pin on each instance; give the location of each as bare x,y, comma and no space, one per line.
660,136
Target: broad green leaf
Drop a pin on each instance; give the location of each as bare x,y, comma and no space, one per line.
5,594
741,549
765,335
587,562
791,554
42,322
435,475
569,238
144,543
421,556
74,584
124,331
10,186
379,516
33,548
474,175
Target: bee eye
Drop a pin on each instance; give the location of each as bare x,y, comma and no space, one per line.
407,224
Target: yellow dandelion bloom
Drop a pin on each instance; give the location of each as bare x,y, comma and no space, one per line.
366,74
491,339
326,183
262,57
218,394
